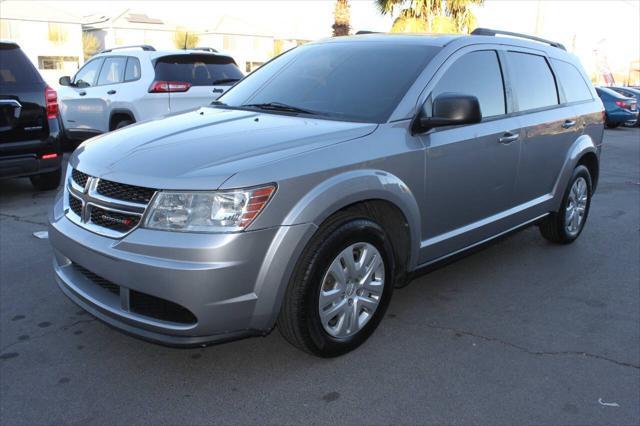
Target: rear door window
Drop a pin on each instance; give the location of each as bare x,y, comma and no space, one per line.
477,74
132,72
15,67
573,85
533,82
198,70
88,74
112,71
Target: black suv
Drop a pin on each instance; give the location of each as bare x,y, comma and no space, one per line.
30,132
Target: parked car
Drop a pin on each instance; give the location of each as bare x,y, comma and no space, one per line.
125,85
619,109
318,184
29,123
629,92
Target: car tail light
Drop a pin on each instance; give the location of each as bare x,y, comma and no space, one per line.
49,156
625,104
169,86
52,102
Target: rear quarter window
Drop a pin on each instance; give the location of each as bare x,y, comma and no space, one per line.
15,67
573,85
532,81
198,70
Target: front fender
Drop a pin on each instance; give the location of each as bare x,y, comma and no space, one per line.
305,217
354,186
581,146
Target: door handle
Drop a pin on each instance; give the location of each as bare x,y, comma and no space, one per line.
508,137
568,123
111,92
82,93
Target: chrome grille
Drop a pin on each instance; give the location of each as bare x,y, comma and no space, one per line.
107,208
79,177
122,191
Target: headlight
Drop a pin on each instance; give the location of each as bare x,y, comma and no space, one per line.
199,211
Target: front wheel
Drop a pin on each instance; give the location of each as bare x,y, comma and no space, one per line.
47,181
565,225
341,287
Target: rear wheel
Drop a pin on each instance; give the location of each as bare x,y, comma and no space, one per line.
341,287
565,226
47,181
611,125
122,123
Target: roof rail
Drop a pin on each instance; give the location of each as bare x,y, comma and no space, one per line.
366,32
145,47
490,32
205,49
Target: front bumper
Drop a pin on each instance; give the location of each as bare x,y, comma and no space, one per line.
220,279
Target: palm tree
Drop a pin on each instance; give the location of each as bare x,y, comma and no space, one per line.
182,39
341,25
430,15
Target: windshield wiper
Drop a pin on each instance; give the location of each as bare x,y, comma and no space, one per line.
225,80
279,106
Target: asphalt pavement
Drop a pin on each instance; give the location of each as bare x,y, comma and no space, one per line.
522,332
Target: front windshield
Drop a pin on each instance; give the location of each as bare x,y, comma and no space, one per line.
358,81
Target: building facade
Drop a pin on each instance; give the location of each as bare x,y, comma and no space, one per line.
51,39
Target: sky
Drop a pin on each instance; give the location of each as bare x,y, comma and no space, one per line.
613,26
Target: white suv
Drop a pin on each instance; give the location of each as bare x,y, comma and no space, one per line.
124,85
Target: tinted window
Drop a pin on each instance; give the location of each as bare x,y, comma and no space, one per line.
533,82
477,74
199,70
112,71
88,74
15,67
574,87
353,81
132,72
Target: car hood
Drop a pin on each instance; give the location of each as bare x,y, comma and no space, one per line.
203,148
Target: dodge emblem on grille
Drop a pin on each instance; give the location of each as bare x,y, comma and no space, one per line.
117,220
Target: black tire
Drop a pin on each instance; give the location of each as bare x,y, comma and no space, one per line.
299,319
612,125
122,123
47,181
553,227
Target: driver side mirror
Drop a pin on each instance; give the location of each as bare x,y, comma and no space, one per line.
450,109
65,81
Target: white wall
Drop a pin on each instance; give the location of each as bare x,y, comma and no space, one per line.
33,38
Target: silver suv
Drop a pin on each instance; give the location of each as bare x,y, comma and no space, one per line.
128,84
322,181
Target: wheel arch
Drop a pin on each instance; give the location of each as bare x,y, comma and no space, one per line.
119,113
378,194
590,161
375,191
582,151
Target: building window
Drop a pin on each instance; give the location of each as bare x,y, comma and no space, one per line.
58,32
8,29
228,42
251,66
57,62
